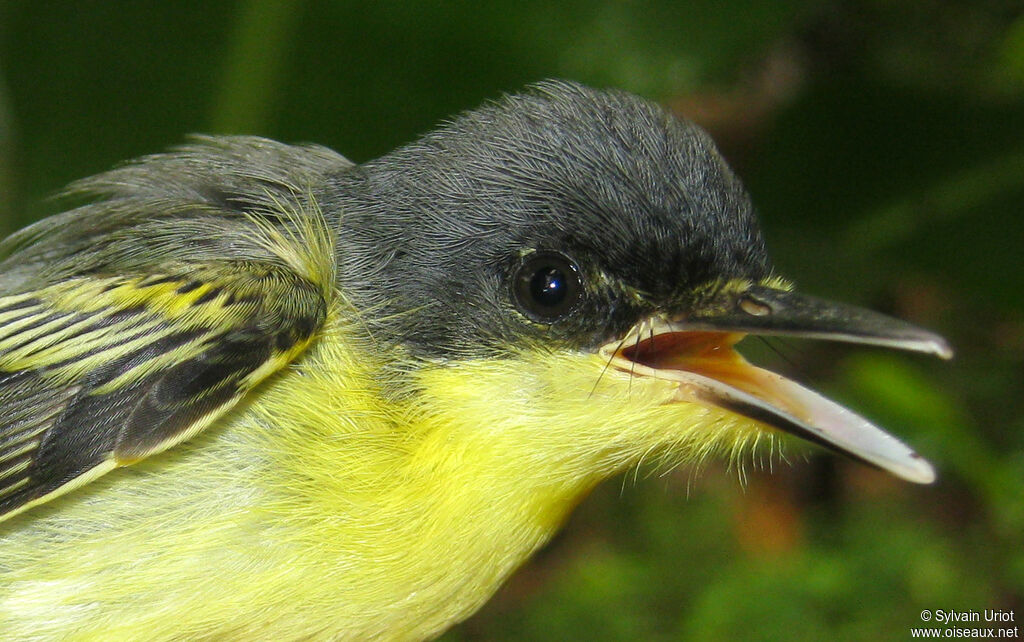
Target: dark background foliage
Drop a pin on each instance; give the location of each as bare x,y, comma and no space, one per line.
884,144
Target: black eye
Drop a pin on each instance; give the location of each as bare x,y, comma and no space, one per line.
547,286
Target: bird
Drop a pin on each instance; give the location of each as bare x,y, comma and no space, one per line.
252,390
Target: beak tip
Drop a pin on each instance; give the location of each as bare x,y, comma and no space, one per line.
919,471
934,344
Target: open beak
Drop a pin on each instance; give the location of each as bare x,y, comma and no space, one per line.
697,352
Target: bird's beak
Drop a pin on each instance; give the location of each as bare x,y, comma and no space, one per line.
697,352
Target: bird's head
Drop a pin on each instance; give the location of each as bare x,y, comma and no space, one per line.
585,260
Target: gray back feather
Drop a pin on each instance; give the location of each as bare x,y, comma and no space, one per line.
171,209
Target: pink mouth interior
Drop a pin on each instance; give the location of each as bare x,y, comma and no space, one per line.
710,354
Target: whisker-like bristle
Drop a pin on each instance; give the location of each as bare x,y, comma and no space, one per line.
606,366
774,343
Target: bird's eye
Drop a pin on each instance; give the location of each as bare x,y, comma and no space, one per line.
547,286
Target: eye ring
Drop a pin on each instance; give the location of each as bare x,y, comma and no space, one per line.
547,286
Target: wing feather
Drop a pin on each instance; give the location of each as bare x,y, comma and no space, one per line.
134,322
88,383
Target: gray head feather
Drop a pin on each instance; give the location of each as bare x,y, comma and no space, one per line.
641,200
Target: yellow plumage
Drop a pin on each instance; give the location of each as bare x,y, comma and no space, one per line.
387,520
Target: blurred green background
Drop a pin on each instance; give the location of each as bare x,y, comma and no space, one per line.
884,144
